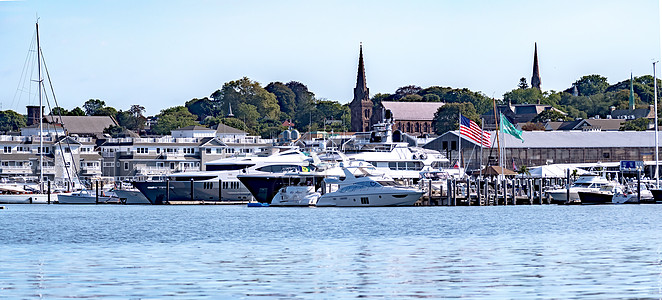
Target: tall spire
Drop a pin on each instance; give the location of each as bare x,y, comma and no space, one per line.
631,106
361,106
361,89
535,79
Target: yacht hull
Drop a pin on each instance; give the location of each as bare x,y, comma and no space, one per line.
83,199
180,191
595,197
27,199
131,197
387,198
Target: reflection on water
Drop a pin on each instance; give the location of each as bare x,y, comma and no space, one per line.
237,252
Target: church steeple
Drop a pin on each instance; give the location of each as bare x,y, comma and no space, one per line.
361,89
361,106
535,79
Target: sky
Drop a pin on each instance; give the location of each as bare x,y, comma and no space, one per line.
163,53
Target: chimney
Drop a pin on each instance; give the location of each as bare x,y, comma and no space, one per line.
33,114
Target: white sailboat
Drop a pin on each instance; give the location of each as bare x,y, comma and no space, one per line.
42,194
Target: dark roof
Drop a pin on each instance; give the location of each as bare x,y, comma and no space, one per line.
598,124
84,124
222,128
92,156
637,113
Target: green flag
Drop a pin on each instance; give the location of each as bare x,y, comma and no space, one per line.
509,128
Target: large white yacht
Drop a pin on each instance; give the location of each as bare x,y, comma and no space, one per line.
219,182
389,152
360,187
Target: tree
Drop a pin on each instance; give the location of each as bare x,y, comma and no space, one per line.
202,108
406,90
59,111
77,112
106,111
533,127
250,92
11,120
235,123
551,115
93,106
114,131
640,124
523,96
248,113
447,116
284,95
173,118
303,97
132,119
591,85
523,85
481,102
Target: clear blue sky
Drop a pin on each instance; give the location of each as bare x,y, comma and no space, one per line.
162,53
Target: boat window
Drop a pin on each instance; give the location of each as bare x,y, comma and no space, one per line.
228,167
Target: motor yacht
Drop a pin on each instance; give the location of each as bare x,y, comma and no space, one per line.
362,188
219,183
585,183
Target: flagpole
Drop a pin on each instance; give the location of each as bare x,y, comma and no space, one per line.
496,123
459,143
482,136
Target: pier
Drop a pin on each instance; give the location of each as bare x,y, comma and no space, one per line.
488,190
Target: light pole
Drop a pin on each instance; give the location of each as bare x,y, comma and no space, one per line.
657,175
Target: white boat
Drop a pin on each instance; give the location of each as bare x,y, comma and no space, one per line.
86,197
629,195
362,188
585,183
295,195
389,153
14,197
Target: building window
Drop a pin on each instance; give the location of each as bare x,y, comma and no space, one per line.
142,150
425,127
444,145
208,150
7,149
418,127
126,165
219,150
453,145
605,154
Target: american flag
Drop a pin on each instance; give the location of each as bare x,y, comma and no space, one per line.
471,130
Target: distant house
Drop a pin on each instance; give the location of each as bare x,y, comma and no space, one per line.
516,114
586,125
225,132
631,114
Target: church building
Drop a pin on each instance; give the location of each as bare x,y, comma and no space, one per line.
413,118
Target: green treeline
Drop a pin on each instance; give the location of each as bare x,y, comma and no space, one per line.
261,110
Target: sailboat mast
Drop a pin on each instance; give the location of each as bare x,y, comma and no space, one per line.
41,116
657,174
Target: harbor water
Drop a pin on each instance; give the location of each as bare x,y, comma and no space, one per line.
155,252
